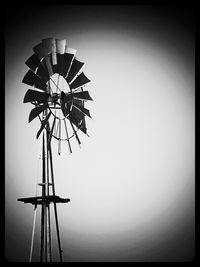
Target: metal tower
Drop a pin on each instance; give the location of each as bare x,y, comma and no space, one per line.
58,98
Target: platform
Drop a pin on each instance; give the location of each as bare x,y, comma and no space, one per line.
44,199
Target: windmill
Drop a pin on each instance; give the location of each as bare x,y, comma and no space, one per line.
59,100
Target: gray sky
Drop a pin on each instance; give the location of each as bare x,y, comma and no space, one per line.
131,184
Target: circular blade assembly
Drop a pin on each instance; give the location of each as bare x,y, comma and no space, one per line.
53,56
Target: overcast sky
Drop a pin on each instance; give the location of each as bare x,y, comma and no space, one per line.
131,184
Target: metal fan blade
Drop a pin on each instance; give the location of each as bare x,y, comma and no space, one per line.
60,49
65,111
33,62
66,101
43,50
69,50
46,62
60,46
83,126
75,133
78,118
82,95
77,114
50,47
59,66
40,51
36,111
43,123
68,58
32,79
42,72
75,68
79,81
33,95
81,108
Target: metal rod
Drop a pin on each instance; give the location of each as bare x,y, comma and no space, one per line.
49,135
55,84
59,141
42,234
56,128
42,207
52,171
57,88
55,207
48,218
47,161
49,237
33,233
58,83
70,149
58,233
77,138
46,194
46,233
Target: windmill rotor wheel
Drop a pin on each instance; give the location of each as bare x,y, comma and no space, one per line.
58,90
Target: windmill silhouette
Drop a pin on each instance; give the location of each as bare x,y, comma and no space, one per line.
58,98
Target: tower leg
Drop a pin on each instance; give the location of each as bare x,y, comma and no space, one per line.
33,233
49,234
55,207
42,234
58,233
43,214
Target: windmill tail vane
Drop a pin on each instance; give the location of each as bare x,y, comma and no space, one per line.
59,98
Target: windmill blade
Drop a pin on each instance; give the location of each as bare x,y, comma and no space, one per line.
46,62
33,62
82,95
79,81
33,95
49,45
43,123
40,51
75,133
68,59
83,126
36,111
43,73
60,46
32,79
59,67
75,68
78,104
78,118
65,110
50,48
60,50
66,101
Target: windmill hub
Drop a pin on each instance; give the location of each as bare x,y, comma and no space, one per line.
58,84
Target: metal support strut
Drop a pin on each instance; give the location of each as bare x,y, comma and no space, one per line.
45,200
